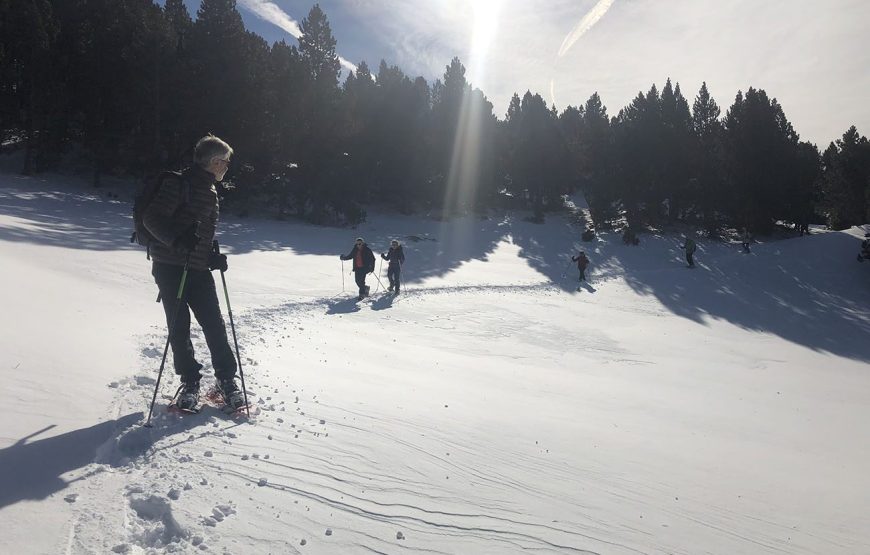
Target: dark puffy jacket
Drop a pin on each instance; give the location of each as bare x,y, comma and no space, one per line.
368,258
179,204
395,256
581,260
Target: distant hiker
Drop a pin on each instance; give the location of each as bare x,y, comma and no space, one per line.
363,263
690,247
864,254
629,237
589,234
396,257
582,263
745,239
183,217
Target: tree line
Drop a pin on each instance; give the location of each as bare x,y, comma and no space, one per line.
125,87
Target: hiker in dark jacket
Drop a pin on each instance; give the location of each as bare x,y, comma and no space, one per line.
582,263
363,263
745,240
183,217
396,258
690,247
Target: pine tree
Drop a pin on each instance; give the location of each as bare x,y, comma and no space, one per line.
759,144
317,46
598,156
28,31
707,156
323,166
676,143
846,182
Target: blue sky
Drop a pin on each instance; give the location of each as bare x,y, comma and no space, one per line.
812,55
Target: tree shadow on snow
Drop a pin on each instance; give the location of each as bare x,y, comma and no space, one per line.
79,218
548,249
808,290
66,212
432,248
32,470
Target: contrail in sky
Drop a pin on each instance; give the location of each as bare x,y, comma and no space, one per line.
589,20
271,12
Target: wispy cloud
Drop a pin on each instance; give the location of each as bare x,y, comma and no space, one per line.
271,12
589,20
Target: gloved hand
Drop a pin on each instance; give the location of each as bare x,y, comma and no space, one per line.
188,240
217,261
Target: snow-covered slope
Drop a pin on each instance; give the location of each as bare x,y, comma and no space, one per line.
491,408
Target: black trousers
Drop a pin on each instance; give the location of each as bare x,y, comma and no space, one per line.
360,277
394,272
200,296
690,258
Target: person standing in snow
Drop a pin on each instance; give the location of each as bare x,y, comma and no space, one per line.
690,247
363,263
864,253
582,263
396,257
183,218
745,239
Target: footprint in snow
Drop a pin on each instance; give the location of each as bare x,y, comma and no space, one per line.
152,352
145,380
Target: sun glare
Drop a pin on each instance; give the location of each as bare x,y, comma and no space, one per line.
465,163
485,17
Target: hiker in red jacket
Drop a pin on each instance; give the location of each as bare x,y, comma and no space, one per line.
582,263
363,263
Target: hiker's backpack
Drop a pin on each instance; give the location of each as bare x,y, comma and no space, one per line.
143,200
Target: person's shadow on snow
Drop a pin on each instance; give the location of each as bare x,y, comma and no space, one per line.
33,469
585,286
383,302
344,306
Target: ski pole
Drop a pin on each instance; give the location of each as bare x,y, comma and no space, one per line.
233,328
380,271
402,275
168,336
379,282
342,276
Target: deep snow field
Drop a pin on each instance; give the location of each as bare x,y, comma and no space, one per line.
490,408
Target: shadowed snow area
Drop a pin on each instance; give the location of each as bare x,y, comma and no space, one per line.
492,407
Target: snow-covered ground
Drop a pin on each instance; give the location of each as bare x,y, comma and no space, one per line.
491,408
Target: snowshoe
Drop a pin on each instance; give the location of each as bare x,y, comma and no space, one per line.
232,396
187,397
